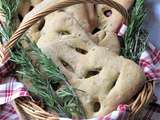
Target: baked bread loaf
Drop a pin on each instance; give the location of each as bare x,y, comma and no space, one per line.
71,27
107,39
110,19
85,14
105,78
86,17
109,22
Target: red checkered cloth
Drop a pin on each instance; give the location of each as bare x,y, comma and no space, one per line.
150,63
11,89
119,114
8,112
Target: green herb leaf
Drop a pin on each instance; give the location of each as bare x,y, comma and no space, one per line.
135,39
43,74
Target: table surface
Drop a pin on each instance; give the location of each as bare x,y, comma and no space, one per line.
152,21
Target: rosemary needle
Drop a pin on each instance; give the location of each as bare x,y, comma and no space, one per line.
135,39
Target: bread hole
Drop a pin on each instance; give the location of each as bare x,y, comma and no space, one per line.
61,10
108,13
66,65
82,51
115,81
64,32
96,106
20,17
30,8
93,72
95,30
41,24
56,86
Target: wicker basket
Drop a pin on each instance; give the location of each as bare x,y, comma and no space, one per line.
26,108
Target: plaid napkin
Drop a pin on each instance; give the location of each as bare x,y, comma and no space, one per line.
150,63
7,112
10,89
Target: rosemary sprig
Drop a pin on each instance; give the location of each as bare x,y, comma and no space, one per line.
135,39
44,75
8,9
40,84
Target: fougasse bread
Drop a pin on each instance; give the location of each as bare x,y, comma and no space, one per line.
109,23
67,26
86,17
85,14
102,78
109,18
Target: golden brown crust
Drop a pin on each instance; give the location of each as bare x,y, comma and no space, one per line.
86,16
106,78
108,39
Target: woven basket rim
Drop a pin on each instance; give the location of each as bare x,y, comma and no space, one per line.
29,106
